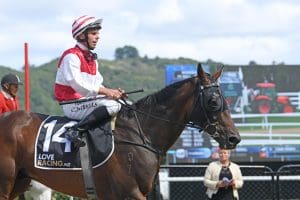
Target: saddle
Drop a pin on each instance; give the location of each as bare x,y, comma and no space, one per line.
54,151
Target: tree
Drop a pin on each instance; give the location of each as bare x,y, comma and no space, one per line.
252,63
126,52
119,53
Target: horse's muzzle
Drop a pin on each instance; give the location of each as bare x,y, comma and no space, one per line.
234,139
231,141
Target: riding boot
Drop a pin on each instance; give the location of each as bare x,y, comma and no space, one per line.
74,133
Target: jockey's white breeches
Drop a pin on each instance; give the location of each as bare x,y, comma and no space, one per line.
79,111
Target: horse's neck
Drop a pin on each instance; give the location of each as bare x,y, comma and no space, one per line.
163,124
161,116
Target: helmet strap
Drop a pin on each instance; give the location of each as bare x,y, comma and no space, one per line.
87,39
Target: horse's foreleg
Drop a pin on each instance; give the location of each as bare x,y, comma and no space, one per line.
21,185
7,177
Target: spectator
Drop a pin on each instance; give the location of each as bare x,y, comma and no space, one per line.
9,102
223,178
8,95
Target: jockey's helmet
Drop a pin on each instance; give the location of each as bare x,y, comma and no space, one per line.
11,79
84,23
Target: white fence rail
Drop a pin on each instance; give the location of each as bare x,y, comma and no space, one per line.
265,122
267,132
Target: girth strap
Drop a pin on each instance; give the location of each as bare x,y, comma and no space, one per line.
87,170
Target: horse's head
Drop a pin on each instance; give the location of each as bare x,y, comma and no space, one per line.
211,112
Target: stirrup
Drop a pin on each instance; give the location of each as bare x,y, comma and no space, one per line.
74,136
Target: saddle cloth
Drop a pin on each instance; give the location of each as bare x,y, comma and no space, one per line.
54,151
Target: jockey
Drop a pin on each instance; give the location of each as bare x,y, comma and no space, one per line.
78,76
8,95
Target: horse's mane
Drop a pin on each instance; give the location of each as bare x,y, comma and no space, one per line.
159,98
163,95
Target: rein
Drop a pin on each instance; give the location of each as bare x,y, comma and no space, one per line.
198,104
146,144
188,124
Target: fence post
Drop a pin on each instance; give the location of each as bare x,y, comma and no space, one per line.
277,186
270,127
273,185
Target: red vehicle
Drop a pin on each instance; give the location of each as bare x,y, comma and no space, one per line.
267,101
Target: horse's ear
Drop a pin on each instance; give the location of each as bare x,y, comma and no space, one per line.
201,74
218,73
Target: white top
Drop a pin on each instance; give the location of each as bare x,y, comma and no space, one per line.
211,177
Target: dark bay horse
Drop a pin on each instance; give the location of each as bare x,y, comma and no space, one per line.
143,133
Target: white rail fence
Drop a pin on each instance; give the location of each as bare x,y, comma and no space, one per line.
265,123
268,132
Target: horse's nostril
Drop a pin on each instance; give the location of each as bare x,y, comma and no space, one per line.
235,139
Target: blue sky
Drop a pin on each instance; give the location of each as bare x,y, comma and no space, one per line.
231,31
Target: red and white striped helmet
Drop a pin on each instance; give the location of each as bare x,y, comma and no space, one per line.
84,22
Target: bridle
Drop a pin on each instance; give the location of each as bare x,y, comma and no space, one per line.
201,103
